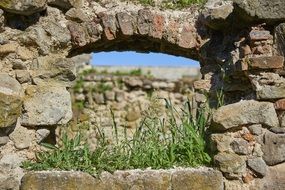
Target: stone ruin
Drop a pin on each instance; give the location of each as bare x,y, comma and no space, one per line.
240,45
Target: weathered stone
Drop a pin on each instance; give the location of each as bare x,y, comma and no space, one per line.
232,165
187,38
58,181
144,20
272,62
23,76
99,98
8,48
66,4
136,179
259,35
255,129
241,146
216,14
202,85
268,86
157,26
221,142
76,15
200,98
258,166
260,10
120,96
2,20
61,70
257,151
126,23
22,137
134,82
23,7
41,134
280,39
10,172
133,115
46,105
4,140
109,95
273,148
78,34
11,99
234,185
196,179
278,130
109,26
274,179
280,104
60,34
243,113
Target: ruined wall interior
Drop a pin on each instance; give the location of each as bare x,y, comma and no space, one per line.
239,43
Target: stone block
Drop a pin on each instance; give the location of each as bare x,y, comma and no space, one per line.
243,113
232,165
258,166
194,179
11,100
273,148
23,7
46,105
271,62
57,180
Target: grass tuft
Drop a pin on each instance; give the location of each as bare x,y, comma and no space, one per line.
158,143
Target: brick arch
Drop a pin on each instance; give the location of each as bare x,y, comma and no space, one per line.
142,30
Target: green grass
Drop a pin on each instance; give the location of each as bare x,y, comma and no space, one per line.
175,140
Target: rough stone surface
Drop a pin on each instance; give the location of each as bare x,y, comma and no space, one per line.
268,86
217,13
269,11
41,134
255,129
245,112
22,137
23,7
47,105
258,166
10,173
58,181
232,165
221,142
4,140
66,4
184,180
11,99
273,148
273,62
241,146
178,179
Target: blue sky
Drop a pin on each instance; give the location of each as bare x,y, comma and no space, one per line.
141,59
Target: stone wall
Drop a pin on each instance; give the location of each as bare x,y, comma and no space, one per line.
239,43
99,99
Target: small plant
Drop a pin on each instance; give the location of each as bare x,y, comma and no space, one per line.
101,88
175,140
71,155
